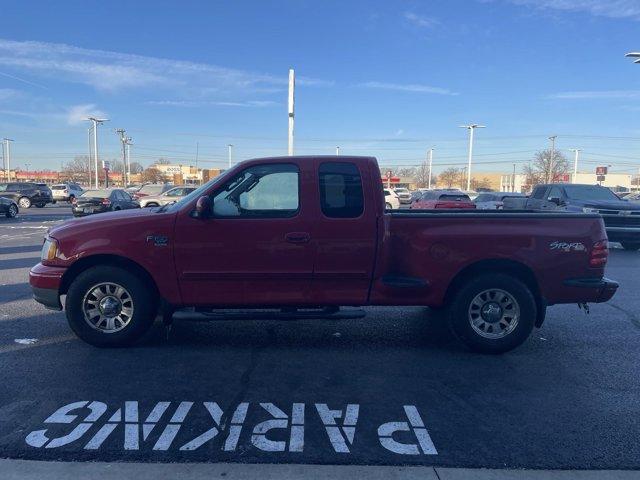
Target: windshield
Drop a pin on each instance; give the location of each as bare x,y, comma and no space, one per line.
58,187
455,198
589,192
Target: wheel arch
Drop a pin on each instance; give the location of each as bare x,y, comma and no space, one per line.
513,268
106,260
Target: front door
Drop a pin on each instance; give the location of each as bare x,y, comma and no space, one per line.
255,250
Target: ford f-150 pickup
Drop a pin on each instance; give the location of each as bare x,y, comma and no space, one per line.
303,232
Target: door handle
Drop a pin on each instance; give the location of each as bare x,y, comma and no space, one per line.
297,237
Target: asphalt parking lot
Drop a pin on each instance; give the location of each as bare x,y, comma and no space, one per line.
393,388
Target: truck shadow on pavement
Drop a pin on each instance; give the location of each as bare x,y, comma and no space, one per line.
420,327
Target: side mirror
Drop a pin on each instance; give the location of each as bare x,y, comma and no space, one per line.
203,207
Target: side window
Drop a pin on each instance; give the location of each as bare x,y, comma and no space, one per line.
341,193
538,193
176,192
555,192
125,196
263,191
483,198
117,195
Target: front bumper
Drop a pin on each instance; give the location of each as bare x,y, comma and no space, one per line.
45,284
601,289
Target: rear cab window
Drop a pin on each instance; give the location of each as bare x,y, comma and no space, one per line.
341,194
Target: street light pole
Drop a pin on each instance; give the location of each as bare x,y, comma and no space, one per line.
96,122
553,156
471,128
575,165
7,153
337,151
292,86
230,147
430,167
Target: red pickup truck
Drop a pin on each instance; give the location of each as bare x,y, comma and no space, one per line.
302,232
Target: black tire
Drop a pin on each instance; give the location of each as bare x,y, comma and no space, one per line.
12,212
631,246
40,205
388,206
151,204
461,313
144,306
25,202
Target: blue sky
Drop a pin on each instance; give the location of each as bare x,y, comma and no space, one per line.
387,78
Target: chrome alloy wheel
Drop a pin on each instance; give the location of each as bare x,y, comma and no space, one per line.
494,313
107,307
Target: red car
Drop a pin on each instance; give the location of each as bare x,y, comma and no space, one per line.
432,199
303,232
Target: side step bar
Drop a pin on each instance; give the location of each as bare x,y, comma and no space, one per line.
212,314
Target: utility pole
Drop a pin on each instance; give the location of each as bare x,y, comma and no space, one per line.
471,128
7,153
553,156
230,149
292,86
337,151
95,122
128,157
575,164
430,167
90,155
123,139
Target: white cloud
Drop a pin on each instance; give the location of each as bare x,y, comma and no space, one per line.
410,87
190,103
8,94
114,71
602,8
78,114
421,21
596,94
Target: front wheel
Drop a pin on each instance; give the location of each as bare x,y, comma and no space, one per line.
110,307
12,212
493,313
633,246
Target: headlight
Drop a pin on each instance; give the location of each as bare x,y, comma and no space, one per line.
49,249
590,210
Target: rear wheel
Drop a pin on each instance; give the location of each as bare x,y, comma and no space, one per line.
493,313
388,206
12,211
24,202
110,307
633,246
152,204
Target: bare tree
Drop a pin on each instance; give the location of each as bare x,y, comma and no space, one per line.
163,161
450,177
136,167
152,175
421,176
78,169
480,183
543,170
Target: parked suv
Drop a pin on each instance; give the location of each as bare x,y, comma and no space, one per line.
404,195
66,192
26,194
621,217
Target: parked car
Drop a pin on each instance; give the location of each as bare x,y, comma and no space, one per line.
621,217
169,196
494,200
633,197
100,201
26,194
257,236
151,189
433,199
8,207
391,200
404,195
66,192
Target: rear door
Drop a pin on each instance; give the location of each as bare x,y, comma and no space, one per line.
344,234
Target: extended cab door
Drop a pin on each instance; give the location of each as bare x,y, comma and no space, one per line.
256,248
345,231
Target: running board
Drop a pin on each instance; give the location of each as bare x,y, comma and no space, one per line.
332,313
397,281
